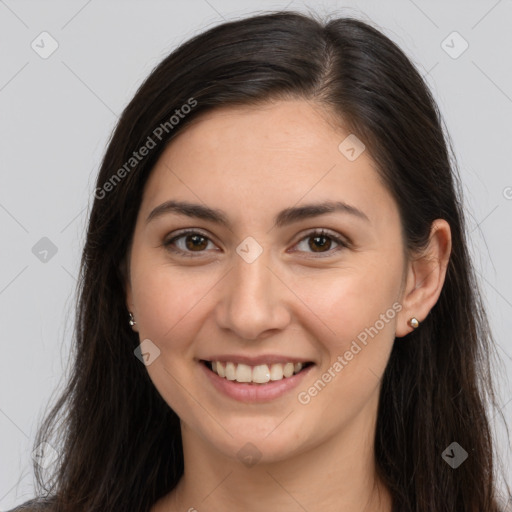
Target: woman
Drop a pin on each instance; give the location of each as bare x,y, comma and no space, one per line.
277,307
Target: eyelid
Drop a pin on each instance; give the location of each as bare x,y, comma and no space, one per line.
342,241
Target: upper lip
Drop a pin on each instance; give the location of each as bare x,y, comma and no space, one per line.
256,360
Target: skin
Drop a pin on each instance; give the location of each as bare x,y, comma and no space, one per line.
297,298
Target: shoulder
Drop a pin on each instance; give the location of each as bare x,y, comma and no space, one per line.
34,505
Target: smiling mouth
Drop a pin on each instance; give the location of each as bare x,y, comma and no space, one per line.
260,374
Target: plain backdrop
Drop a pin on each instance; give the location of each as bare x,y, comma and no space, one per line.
57,112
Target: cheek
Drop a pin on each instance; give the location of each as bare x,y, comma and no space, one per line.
358,312
349,301
167,298
168,304
356,331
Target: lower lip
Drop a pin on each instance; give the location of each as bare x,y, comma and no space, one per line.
254,393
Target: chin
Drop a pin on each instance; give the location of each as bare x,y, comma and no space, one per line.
270,443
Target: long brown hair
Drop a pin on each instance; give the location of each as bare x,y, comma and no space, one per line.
119,442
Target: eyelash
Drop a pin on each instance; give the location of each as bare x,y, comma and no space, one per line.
315,233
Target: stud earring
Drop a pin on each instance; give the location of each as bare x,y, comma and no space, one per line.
132,320
414,322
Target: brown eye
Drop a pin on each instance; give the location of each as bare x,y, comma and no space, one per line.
188,242
193,242
321,242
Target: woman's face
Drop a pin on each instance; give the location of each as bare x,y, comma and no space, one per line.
263,286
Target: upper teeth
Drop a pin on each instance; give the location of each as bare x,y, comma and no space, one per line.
259,374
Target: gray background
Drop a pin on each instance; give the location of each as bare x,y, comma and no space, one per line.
56,115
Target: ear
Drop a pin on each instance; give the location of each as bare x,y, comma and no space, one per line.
125,276
426,273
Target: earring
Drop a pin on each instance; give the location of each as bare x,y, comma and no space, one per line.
414,322
132,320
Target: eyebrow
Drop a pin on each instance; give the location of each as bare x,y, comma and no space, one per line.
283,218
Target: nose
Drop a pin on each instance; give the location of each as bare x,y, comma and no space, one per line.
252,302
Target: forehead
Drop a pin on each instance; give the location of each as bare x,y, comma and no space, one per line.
268,156
297,126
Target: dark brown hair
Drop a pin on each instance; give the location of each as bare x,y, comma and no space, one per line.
119,442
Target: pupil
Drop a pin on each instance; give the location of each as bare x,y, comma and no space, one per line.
316,238
194,243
